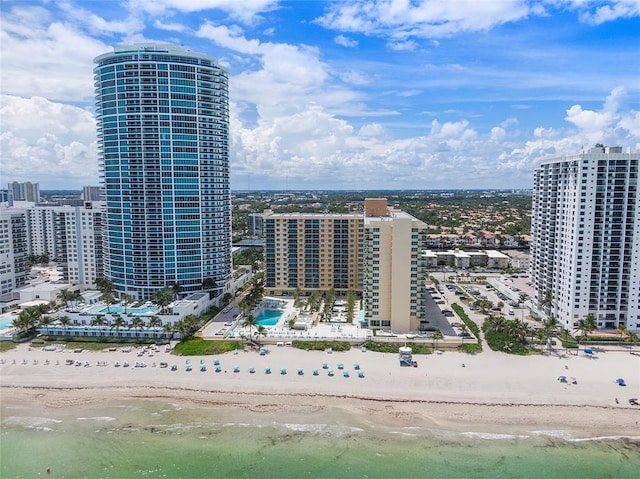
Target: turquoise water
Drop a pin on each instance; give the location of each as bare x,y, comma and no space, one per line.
269,317
155,439
137,311
6,323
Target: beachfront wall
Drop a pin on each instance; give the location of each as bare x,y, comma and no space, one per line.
102,332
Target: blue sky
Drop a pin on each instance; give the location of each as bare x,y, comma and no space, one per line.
346,94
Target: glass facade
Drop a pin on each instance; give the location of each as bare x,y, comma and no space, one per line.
163,125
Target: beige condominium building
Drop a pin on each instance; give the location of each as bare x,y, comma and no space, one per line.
394,278
377,253
312,251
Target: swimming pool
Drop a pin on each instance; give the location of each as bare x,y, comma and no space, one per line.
136,311
269,317
5,323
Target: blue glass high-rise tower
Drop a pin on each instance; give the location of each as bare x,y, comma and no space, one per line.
163,125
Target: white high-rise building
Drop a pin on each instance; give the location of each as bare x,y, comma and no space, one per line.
79,250
25,191
163,138
13,249
586,237
41,228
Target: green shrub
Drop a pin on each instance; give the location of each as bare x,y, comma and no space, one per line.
322,345
386,347
504,342
200,347
7,346
471,326
470,348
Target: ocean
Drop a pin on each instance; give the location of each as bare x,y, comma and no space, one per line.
151,438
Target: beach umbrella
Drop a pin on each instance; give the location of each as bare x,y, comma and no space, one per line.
620,381
562,379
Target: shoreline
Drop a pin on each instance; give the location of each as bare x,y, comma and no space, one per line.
492,393
568,422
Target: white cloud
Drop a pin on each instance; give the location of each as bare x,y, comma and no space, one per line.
498,134
44,57
406,46
424,19
47,141
345,42
246,11
596,13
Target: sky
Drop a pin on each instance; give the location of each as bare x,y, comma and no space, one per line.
340,95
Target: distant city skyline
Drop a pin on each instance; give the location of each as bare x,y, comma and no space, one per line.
340,95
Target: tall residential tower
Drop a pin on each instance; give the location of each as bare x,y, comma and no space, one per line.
163,125
586,237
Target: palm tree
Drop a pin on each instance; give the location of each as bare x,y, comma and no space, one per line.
586,325
65,296
260,331
98,320
127,299
566,337
104,285
463,329
64,322
108,299
154,322
163,298
632,338
435,337
168,330
351,305
117,324
250,320
621,331
136,323
549,327
547,301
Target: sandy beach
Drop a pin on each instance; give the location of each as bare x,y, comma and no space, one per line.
492,392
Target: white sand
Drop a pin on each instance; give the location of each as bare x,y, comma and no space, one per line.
500,391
